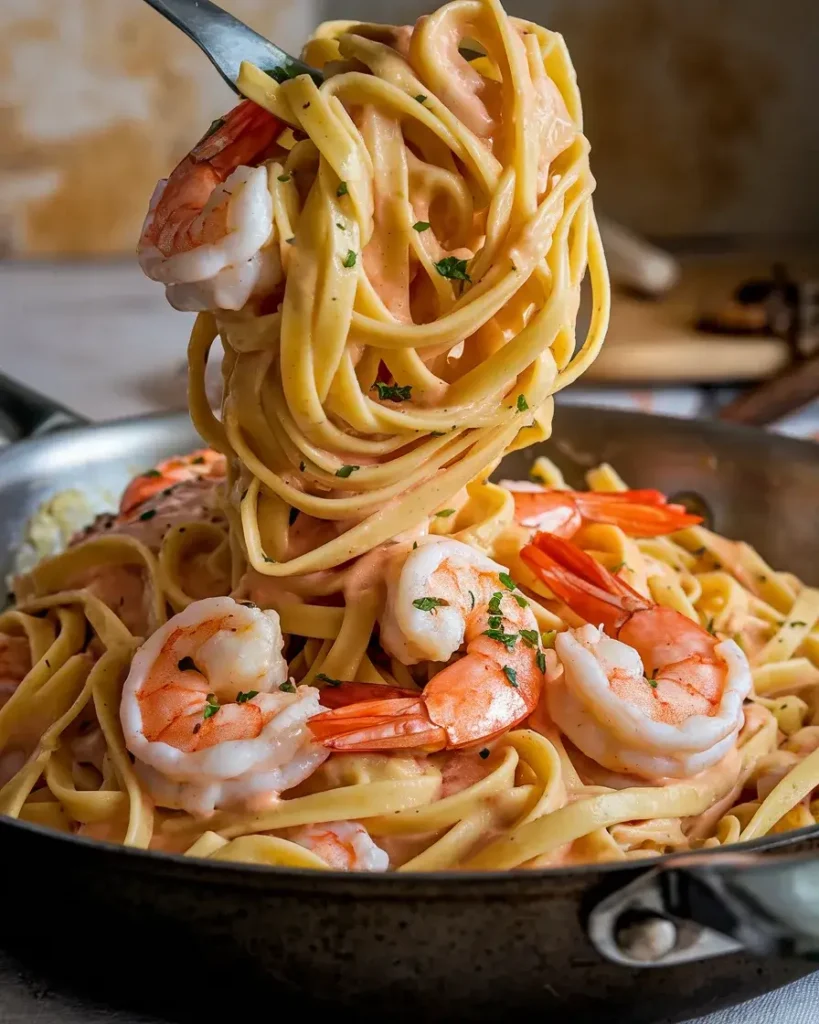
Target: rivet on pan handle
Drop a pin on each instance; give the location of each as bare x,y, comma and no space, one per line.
25,413
705,905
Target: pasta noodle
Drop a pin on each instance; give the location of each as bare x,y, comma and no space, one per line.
335,592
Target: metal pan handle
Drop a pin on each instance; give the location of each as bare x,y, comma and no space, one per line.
26,413
703,905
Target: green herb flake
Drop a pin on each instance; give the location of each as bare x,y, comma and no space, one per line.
287,687
698,552
349,259
429,604
511,675
346,471
453,268
484,753
472,600
522,404
284,71
521,600
272,561
797,624
495,621
421,225
214,127
495,602
530,637
243,698
507,639
618,567
342,189
536,477
328,680
420,98
291,241
541,661
302,467
148,515
652,683
548,638
437,433
152,473
211,707
284,178
248,604
392,392
445,513
507,581
710,626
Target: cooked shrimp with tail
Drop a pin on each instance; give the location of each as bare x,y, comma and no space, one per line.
208,232
641,689
439,596
203,464
208,711
644,513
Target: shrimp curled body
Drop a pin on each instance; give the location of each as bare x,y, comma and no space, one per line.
209,715
439,596
655,695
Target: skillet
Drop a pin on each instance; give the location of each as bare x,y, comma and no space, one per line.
639,943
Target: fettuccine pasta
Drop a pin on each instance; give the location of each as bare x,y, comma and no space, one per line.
329,639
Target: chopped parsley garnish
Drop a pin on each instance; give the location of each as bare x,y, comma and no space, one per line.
541,661
152,473
495,621
271,560
293,516
349,259
511,675
214,127
495,602
698,552
420,98
199,460
522,404
484,753
291,241
548,638
187,665
243,698
445,513
536,477
507,581
797,623
284,178
530,637
211,707
287,69
507,639
521,600
346,471
148,515
393,392
618,567
472,599
342,189
327,679
762,579
421,225
453,268
652,683
428,604
287,687
710,627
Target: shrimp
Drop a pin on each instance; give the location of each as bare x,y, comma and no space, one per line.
659,696
438,595
205,464
208,226
15,663
562,513
209,714
345,845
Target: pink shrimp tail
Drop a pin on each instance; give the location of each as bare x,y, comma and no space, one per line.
372,725
583,583
644,513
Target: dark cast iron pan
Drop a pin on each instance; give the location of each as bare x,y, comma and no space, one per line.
114,934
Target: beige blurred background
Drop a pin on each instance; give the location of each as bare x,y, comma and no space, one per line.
702,113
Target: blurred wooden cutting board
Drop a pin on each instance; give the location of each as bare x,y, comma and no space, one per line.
656,340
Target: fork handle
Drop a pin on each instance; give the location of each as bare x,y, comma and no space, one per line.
226,41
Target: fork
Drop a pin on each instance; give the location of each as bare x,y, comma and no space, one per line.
226,41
